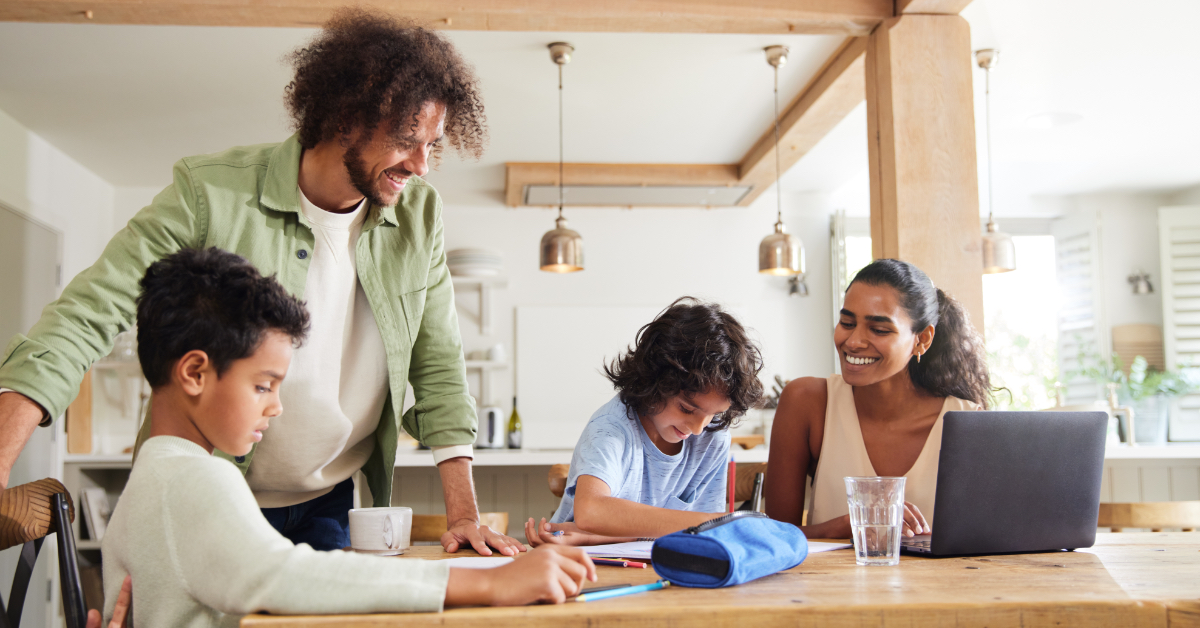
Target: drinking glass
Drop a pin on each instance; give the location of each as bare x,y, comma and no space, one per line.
876,518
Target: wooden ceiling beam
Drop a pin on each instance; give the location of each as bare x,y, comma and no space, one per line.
938,7
846,17
828,98
521,174
836,89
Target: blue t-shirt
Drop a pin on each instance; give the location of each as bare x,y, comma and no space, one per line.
617,450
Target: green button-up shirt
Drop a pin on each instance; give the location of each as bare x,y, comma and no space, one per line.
246,200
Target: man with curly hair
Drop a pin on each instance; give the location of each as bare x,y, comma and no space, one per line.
339,214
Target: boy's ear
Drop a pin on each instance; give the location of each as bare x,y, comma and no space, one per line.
192,372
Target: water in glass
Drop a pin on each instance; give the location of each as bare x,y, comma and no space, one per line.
876,518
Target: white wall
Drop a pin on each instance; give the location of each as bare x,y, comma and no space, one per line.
650,257
1186,196
128,201
43,182
1128,242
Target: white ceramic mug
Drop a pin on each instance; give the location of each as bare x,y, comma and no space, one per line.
383,531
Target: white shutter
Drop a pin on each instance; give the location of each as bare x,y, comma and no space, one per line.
1179,250
1081,322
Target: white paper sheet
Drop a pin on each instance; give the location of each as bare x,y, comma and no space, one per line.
816,547
641,549
479,562
635,549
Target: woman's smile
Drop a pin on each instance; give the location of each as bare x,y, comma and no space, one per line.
860,361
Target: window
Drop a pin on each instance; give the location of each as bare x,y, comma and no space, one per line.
1020,310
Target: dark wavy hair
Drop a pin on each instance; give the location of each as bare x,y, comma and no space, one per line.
690,347
213,301
955,365
366,68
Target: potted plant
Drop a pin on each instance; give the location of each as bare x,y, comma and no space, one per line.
1148,390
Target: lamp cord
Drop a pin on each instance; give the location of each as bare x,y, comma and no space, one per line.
560,142
987,108
778,174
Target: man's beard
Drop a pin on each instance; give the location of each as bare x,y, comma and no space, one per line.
360,178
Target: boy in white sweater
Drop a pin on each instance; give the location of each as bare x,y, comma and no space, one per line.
215,340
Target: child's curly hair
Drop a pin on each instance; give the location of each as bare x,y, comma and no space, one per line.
690,347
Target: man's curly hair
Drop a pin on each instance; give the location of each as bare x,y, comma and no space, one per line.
365,69
692,347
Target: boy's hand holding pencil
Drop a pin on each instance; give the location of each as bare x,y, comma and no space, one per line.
547,575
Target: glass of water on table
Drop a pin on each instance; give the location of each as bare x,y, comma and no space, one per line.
876,518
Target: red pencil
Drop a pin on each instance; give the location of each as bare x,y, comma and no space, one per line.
619,563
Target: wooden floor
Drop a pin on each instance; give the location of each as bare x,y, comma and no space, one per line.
1142,579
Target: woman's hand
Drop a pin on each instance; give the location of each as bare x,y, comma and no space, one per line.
546,533
914,521
838,528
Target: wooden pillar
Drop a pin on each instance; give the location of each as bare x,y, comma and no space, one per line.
921,128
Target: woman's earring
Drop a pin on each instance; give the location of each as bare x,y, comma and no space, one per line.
918,358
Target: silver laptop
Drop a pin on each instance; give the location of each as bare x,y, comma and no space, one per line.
1016,482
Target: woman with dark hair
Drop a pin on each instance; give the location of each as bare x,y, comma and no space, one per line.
652,460
908,355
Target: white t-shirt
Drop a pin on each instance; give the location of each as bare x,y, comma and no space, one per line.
338,381
201,554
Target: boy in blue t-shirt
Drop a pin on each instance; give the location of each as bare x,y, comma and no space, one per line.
653,459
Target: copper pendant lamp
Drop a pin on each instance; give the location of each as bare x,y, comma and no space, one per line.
562,248
999,252
780,253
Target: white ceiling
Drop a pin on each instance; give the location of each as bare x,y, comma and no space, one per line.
127,101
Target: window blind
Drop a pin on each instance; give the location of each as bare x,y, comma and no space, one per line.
1082,330
1179,251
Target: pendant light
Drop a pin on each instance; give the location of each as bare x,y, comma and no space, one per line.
780,253
999,252
562,248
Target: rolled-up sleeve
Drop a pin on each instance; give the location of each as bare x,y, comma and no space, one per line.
48,363
444,412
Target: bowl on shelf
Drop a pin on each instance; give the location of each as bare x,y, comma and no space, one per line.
474,262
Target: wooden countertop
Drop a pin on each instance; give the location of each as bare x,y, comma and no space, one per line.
1132,579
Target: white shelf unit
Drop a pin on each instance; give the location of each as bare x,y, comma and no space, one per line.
408,458
485,368
484,285
82,471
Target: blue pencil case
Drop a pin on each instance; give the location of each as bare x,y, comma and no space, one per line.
736,548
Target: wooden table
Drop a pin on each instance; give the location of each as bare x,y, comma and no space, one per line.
1133,579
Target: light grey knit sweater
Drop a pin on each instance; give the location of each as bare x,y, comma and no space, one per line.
189,531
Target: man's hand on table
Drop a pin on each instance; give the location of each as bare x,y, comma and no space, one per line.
468,533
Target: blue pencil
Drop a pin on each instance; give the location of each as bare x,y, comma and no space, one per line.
601,595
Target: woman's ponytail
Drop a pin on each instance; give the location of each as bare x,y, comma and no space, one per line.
955,365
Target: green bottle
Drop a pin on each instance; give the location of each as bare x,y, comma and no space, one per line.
514,428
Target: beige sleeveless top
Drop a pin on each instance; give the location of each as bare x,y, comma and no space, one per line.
844,454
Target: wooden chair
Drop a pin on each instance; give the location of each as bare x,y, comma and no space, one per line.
1153,515
28,513
743,487
430,528
558,479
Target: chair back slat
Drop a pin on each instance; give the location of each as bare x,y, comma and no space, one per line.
430,528
26,513
1153,515
74,609
20,585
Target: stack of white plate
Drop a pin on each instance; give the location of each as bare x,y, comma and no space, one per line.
474,262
